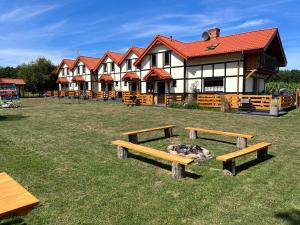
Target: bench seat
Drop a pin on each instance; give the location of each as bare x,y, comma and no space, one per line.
132,135
14,198
228,159
178,162
241,138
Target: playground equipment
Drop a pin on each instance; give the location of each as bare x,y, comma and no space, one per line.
8,96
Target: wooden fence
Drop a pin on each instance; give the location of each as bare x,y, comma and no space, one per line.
297,98
106,94
259,102
144,99
174,98
285,102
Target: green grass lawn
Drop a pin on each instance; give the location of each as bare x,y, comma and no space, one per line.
62,153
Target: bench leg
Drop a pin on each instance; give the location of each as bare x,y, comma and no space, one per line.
241,143
262,154
133,138
230,166
178,170
122,152
193,134
168,132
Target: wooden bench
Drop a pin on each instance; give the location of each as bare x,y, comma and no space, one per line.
241,138
14,198
229,159
178,162
132,135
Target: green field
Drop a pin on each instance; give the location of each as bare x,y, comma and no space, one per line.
61,152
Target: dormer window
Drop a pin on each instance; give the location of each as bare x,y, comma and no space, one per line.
154,60
104,67
83,69
112,67
129,64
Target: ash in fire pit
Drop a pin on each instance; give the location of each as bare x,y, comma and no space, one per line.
199,154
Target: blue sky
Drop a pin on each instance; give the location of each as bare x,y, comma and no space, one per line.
66,28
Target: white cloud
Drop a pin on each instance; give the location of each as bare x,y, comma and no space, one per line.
26,12
14,57
250,23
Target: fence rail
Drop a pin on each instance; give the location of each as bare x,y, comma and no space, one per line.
297,98
174,98
144,99
259,102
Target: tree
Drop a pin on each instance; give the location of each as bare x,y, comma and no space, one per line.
8,71
38,75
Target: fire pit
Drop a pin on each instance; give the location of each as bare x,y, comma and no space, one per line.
199,154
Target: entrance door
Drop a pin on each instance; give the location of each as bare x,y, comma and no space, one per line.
161,92
133,86
109,87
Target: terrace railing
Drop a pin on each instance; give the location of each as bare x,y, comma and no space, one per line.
174,98
144,99
259,102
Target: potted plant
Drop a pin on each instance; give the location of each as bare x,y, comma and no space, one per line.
274,110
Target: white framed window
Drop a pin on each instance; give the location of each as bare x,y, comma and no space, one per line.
213,85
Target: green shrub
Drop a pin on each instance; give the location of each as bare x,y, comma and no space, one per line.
270,87
191,105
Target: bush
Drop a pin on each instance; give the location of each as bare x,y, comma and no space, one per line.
191,105
271,87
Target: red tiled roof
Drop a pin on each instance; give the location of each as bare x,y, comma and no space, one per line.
130,76
106,78
16,81
114,56
68,62
78,78
157,72
90,62
248,41
62,80
136,50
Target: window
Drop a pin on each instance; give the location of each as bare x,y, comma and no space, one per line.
129,64
112,67
174,83
78,70
213,85
83,69
117,83
153,60
125,83
63,72
167,58
68,71
104,67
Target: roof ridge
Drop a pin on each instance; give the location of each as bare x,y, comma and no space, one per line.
236,34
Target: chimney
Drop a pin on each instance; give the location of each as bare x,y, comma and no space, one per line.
214,33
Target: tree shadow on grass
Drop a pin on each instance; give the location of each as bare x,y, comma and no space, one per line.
292,217
160,164
251,163
12,117
217,140
156,139
13,221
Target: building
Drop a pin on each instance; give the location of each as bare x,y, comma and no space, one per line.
20,84
109,72
238,63
65,74
130,74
